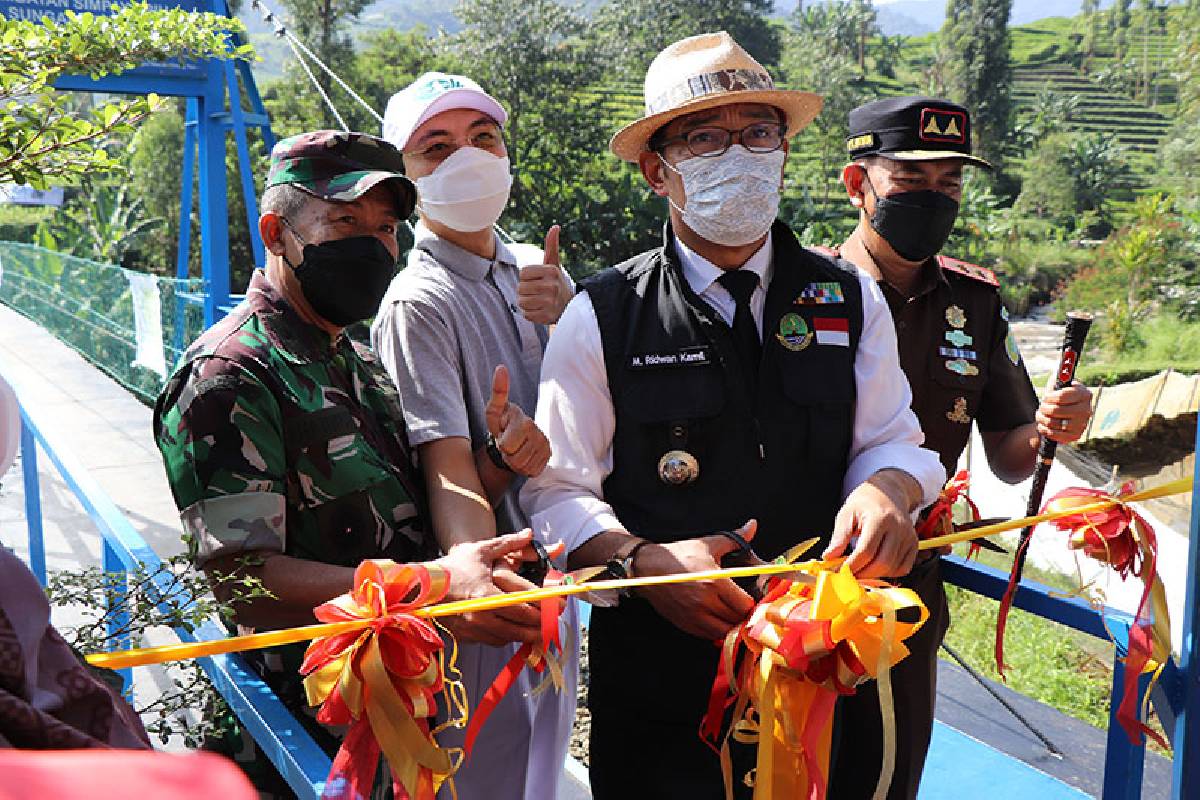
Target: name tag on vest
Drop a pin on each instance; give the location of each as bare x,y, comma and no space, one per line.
686,357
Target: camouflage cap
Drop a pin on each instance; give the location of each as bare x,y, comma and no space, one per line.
340,166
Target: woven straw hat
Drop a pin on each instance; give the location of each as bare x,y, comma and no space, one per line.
702,72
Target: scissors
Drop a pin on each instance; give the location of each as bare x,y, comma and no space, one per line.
983,541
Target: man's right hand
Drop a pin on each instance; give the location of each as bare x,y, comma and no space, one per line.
708,609
481,569
524,447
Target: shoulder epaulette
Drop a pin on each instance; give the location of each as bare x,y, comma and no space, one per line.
982,274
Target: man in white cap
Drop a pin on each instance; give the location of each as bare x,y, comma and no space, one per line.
461,331
727,380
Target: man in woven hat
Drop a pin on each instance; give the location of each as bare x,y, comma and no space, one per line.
956,347
283,439
729,380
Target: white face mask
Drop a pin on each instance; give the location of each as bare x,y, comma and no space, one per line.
733,198
467,192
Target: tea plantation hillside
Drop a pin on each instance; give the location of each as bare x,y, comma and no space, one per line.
1046,58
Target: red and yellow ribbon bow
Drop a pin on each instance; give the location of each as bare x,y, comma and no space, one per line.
382,681
1120,537
939,521
810,639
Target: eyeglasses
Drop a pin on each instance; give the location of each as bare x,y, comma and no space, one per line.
710,141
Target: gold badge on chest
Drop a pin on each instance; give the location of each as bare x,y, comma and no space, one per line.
678,468
956,317
959,412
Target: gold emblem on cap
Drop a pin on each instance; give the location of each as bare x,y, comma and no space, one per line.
678,467
861,141
956,317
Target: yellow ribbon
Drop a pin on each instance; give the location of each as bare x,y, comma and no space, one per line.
139,657
1179,486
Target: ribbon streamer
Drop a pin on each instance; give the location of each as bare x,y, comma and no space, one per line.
139,657
383,681
1120,537
940,519
806,643
545,655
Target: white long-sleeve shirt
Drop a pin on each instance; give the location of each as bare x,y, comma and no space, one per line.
575,408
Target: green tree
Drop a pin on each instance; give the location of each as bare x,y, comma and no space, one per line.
821,54
387,61
1118,27
103,223
323,25
1181,150
1071,179
867,21
889,54
42,138
1047,191
976,37
632,32
154,176
1051,111
1090,17
936,70
539,59
1099,173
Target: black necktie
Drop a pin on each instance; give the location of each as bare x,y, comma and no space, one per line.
741,284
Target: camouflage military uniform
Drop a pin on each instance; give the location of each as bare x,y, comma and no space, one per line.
275,438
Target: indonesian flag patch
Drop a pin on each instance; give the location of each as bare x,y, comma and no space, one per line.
832,330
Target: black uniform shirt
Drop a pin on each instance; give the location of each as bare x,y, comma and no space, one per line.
960,356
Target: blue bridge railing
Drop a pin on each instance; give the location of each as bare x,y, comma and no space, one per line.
302,763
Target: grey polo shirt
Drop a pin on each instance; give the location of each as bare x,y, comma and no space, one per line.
448,319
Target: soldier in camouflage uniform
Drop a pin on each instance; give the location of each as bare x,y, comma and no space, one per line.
283,441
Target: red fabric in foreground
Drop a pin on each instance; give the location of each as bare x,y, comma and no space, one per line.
119,775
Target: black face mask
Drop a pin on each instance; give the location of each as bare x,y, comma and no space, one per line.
915,224
344,280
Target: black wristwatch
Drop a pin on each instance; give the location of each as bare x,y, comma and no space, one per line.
494,453
620,563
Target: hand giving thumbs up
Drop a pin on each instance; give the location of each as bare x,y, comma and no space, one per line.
544,291
523,447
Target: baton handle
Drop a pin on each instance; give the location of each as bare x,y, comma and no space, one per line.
1078,324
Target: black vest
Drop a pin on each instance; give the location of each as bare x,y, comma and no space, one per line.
778,454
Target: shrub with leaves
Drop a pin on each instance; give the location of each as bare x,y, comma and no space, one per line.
114,605
42,139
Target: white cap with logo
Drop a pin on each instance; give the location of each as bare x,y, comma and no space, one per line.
430,94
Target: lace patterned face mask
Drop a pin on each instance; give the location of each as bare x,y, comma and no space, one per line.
733,198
